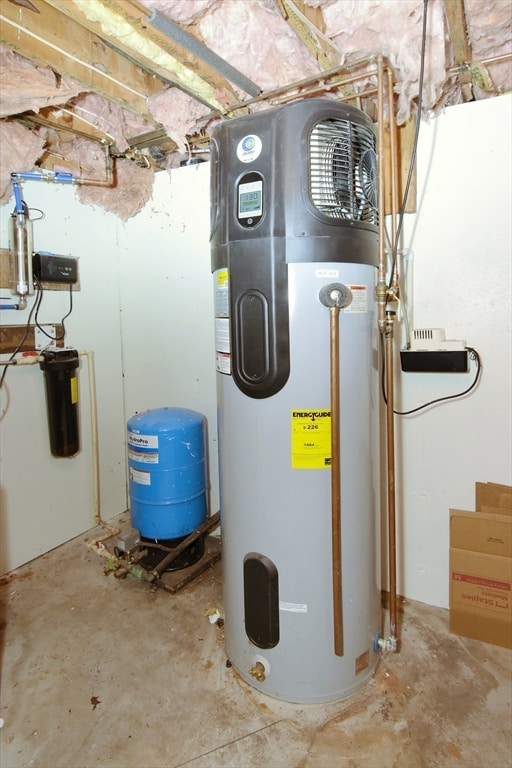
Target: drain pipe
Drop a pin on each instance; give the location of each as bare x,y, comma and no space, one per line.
337,590
336,296
392,643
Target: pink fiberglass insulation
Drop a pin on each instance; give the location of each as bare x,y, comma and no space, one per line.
21,148
252,36
27,86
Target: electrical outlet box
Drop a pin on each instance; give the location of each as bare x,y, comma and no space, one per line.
50,268
44,335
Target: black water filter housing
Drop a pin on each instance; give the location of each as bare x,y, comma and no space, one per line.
61,386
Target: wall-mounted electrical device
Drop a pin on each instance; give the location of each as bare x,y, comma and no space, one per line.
294,213
51,268
431,352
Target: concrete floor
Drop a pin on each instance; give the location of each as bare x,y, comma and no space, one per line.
102,672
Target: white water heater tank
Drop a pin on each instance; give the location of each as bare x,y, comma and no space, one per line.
293,193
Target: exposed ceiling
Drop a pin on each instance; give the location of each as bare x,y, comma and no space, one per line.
144,80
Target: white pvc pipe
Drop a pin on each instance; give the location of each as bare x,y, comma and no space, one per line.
112,531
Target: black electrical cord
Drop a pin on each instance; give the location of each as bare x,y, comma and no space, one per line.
35,307
473,356
414,146
36,320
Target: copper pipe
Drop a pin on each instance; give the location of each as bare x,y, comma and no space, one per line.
390,423
381,290
336,482
393,171
307,81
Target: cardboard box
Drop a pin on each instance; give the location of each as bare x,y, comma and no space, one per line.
493,495
489,534
480,596
481,567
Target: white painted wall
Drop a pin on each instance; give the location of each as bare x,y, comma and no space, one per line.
461,240
146,309
46,501
167,304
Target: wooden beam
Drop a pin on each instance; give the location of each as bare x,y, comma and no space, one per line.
404,146
65,120
53,39
308,24
462,52
12,336
151,49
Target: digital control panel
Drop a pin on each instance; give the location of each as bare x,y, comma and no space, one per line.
250,199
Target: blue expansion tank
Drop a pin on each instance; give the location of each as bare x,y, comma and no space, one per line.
167,472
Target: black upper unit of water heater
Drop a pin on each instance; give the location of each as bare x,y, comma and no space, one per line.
296,183
302,173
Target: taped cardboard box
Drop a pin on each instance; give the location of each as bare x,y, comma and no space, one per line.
481,567
490,534
481,576
480,592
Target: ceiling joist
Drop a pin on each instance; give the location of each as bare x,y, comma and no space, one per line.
462,53
52,39
126,29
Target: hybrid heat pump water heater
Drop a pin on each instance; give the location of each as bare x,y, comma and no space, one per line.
294,229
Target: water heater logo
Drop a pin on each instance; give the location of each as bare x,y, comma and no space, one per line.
249,149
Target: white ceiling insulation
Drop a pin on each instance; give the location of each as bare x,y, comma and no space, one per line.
160,111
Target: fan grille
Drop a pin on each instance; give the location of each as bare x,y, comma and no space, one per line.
342,170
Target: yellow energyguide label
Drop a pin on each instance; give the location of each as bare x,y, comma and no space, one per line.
74,389
310,438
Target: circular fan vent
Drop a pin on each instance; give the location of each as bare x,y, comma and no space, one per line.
368,176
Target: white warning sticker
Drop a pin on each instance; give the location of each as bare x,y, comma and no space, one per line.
222,335
359,301
143,458
140,477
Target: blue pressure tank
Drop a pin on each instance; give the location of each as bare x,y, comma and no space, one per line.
167,473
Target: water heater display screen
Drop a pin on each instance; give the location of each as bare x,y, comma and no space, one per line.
250,199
